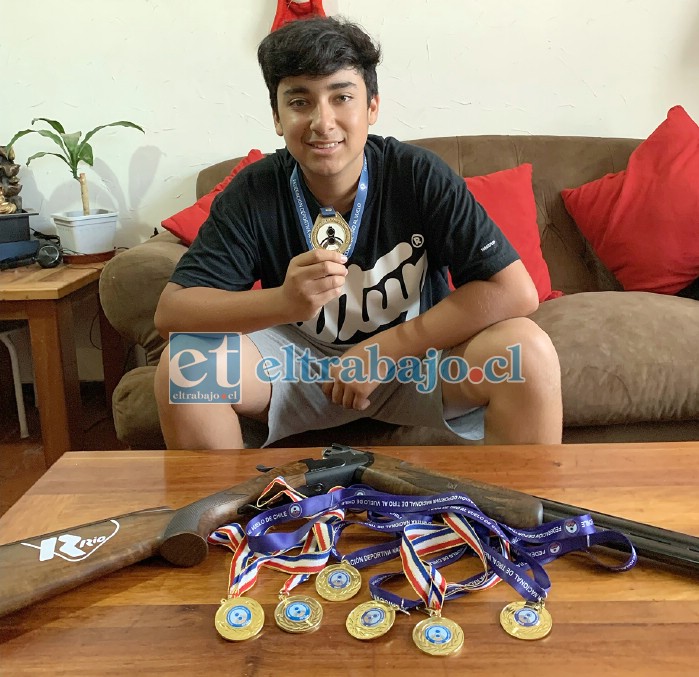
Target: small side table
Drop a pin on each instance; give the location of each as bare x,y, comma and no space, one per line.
44,297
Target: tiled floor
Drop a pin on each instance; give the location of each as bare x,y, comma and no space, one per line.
22,461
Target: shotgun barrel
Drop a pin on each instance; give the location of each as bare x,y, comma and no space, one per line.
660,545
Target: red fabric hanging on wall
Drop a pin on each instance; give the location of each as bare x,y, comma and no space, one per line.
288,10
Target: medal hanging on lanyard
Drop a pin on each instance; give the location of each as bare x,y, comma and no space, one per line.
529,619
301,613
331,231
375,618
238,618
436,635
298,613
341,581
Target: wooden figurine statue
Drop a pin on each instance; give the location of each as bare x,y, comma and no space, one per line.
10,186
5,206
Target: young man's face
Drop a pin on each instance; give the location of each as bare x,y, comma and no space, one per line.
325,122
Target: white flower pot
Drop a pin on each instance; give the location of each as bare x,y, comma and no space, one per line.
91,234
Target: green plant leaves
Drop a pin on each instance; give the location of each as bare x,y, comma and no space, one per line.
73,150
36,155
84,150
71,145
43,132
54,123
121,123
86,154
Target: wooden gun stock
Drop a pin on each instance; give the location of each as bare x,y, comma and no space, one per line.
40,567
504,505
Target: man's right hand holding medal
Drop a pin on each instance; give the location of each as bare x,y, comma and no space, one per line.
313,279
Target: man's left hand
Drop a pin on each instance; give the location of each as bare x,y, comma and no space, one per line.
352,394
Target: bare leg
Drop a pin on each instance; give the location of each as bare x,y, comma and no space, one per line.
516,413
211,426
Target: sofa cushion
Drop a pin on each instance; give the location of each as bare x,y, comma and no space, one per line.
135,411
508,198
643,222
130,286
625,356
186,223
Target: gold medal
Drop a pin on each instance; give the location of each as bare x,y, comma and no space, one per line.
438,636
331,232
370,620
338,582
298,614
239,618
526,620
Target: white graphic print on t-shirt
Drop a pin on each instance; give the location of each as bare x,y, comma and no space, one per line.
373,298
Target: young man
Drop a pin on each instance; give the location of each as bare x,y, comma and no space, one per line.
407,218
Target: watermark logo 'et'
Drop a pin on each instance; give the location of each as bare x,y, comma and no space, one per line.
205,367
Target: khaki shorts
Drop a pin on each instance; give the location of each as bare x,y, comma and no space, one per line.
299,406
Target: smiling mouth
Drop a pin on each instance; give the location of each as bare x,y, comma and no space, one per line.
325,145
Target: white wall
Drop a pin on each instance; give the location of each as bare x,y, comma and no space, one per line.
187,72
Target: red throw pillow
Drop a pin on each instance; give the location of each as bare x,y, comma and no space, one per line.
508,198
643,222
186,224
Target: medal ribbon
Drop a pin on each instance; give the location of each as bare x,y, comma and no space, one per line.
570,535
315,547
425,577
304,216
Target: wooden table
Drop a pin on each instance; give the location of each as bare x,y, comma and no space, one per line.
154,619
44,297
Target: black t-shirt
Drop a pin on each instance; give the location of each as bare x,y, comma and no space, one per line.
419,220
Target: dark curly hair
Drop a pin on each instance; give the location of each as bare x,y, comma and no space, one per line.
317,46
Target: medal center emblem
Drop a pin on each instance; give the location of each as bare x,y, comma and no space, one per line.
239,617
297,612
526,617
339,580
373,617
437,634
331,233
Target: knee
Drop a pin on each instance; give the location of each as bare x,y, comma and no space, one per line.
524,341
537,350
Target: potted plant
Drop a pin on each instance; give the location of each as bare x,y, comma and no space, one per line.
90,231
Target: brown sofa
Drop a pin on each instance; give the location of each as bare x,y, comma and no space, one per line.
628,359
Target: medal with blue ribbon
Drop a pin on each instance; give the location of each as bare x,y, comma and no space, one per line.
330,230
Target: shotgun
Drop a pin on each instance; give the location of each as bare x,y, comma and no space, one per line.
62,560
